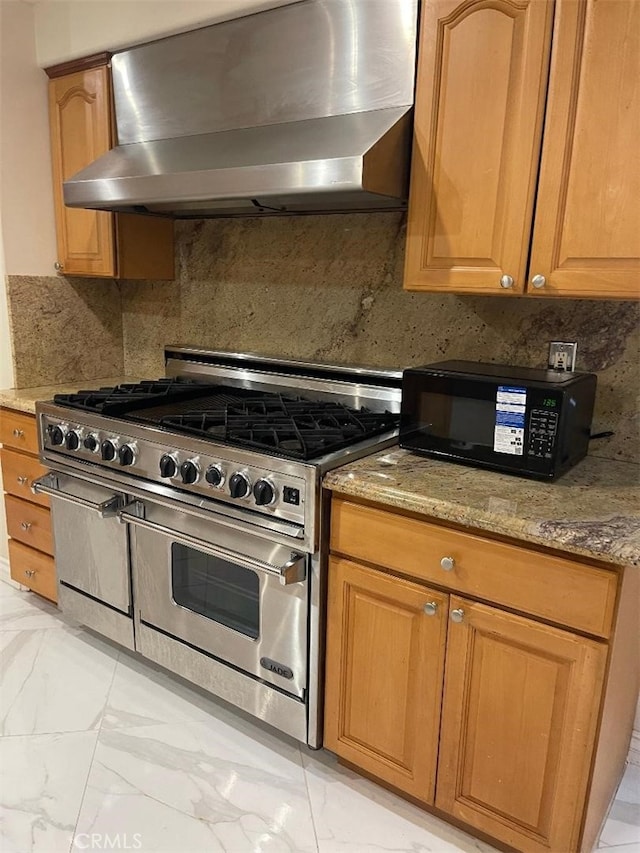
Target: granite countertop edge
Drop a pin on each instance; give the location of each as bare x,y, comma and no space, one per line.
611,537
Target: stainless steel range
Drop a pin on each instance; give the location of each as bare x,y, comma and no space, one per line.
187,516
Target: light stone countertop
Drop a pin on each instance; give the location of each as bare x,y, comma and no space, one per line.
24,399
592,511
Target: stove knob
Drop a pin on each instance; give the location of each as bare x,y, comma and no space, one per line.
239,485
108,450
57,434
91,443
72,440
126,455
214,475
264,493
190,472
168,466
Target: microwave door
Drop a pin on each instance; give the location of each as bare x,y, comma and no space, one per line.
460,419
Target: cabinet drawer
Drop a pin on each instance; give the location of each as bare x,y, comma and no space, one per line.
33,569
18,472
562,591
19,431
29,523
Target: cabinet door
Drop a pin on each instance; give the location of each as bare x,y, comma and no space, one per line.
79,115
520,711
384,674
586,238
481,84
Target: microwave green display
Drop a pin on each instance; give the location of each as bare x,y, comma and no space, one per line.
550,402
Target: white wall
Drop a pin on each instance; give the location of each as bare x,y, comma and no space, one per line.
68,29
27,231
26,199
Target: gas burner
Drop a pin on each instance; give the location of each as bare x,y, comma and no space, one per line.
121,399
293,427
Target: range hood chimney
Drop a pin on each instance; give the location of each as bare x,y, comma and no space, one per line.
304,108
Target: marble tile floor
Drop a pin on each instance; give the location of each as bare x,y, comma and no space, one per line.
100,750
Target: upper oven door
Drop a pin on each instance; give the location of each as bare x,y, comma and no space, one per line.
237,597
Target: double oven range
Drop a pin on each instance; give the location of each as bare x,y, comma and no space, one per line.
188,516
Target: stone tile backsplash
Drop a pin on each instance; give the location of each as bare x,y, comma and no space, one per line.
315,287
63,329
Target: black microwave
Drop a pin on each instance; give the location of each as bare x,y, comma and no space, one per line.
518,420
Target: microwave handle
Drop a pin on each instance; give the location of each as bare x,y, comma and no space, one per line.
48,485
293,571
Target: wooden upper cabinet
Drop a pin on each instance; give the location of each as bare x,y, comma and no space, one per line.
519,718
491,73
586,236
481,84
80,133
97,243
384,670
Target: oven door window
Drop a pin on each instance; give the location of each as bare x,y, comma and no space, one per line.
217,589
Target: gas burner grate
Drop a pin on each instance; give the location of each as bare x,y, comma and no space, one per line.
292,427
121,399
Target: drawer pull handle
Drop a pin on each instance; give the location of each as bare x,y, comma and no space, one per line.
430,608
25,525
457,615
22,480
30,572
447,563
18,433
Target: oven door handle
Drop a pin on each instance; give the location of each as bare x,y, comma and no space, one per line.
49,485
293,571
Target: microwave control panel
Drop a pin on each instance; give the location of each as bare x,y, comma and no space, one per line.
543,428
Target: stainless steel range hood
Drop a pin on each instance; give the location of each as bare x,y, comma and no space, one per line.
303,108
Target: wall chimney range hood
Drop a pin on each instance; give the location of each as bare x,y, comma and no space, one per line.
303,108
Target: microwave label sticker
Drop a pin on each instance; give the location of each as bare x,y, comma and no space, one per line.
511,407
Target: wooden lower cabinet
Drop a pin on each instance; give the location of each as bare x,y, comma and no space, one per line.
520,710
385,662
441,684
28,519
33,569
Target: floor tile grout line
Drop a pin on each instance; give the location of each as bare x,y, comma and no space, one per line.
93,754
306,787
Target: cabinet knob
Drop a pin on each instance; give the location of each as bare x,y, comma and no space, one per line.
58,266
506,281
29,572
25,525
538,281
22,480
430,608
457,615
18,433
447,563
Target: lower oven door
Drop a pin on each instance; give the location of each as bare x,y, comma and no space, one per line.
238,598
91,554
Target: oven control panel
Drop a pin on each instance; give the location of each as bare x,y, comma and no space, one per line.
221,474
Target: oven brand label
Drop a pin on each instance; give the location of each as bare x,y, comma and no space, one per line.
511,406
278,668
